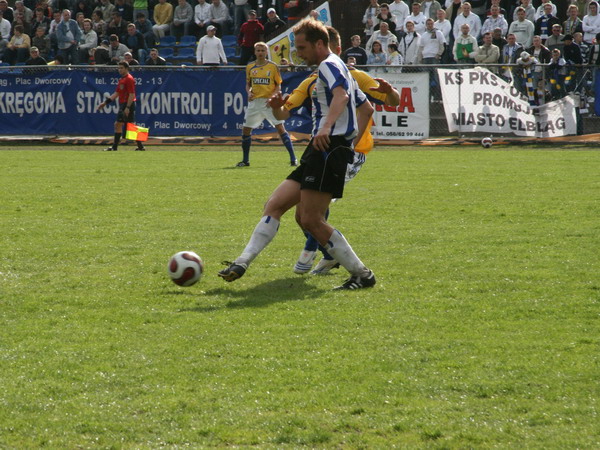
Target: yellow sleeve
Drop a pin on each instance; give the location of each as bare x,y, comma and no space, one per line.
301,93
365,82
277,75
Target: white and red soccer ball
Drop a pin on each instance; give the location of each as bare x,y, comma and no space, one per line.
185,268
487,142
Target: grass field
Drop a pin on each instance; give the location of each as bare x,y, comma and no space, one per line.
483,330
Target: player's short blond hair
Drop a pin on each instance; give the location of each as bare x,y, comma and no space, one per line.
261,44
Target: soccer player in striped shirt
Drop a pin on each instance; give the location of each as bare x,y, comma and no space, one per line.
321,174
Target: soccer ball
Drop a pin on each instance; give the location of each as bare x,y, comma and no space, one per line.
486,142
185,268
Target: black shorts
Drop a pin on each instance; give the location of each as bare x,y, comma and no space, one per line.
324,171
121,115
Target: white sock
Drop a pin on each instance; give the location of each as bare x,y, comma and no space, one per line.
261,236
340,249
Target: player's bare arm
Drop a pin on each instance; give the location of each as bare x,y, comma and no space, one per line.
277,103
392,94
336,108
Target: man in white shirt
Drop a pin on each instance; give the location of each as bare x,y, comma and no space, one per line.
495,21
219,17
201,18
591,23
529,11
384,36
370,17
431,45
470,19
210,50
400,11
541,10
417,17
443,25
522,28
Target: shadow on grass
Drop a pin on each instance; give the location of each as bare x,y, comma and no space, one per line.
264,294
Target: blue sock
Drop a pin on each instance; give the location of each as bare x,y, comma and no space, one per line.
246,143
311,244
285,138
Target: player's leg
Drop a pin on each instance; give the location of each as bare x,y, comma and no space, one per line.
309,252
246,144
287,142
118,133
281,200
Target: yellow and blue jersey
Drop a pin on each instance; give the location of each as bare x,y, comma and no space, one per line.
263,79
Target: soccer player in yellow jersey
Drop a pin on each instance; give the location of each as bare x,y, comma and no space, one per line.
262,81
378,91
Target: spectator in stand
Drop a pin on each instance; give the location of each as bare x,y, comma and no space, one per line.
40,20
7,11
469,18
355,51
541,10
117,25
107,8
295,10
20,20
453,10
443,25
135,42
100,54
84,8
429,8
384,36
143,25
394,59
583,46
557,73
17,50
35,59
273,23
56,19
400,11
571,51
529,11
202,17
376,57
542,55
431,44
154,59
241,8
116,50
495,20
99,25
125,10
556,38
409,44
68,36
543,26
417,18
27,13
128,57
502,11
498,40
210,51
251,32
4,33
488,53
465,46
41,41
522,28
88,41
140,7
591,23
183,18
220,18
79,18
573,24
370,18
385,16
510,53
163,16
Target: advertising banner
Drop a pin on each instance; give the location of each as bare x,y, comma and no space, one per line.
410,119
476,100
169,103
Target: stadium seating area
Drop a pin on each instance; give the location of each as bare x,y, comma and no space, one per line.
184,51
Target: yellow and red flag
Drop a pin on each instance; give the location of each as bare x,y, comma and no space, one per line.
135,133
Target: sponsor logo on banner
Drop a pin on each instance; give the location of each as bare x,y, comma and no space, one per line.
282,46
476,100
410,119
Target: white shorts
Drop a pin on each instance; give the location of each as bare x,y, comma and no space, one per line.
257,111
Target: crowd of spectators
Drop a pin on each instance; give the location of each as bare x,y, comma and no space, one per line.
36,32
548,48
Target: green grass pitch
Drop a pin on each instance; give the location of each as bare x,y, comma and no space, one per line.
483,330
